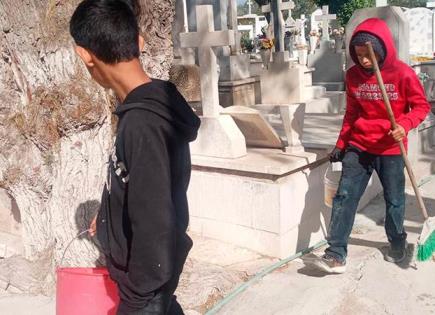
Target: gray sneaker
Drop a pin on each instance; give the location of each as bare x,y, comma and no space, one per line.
330,264
396,255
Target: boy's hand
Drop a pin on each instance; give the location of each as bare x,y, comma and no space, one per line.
93,226
398,134
336,155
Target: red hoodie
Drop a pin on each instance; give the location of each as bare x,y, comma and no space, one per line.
366,124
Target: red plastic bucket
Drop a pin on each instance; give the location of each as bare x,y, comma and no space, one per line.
85,291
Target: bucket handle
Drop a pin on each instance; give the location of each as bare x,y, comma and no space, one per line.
69,244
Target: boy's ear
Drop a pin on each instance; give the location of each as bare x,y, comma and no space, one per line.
141,42
85,56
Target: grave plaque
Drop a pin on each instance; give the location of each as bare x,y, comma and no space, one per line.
257,131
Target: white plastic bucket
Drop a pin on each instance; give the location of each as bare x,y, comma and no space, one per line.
331,181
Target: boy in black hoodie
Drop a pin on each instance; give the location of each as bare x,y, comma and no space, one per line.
142,223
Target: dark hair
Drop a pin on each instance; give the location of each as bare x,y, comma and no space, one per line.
108,28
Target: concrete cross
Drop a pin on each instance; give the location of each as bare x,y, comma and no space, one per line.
275,9
325,18
301,26
205,39
249,7
381,3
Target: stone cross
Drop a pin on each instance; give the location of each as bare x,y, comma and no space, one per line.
430,4
301,26
275,9
381,3
325,18
205,39
249,7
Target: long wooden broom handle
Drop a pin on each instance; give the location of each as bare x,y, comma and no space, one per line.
394,125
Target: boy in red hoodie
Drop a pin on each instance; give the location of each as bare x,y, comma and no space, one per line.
366,142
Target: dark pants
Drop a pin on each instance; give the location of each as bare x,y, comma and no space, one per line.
358,167
164,301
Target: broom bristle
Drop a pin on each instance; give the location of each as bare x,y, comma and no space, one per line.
427,249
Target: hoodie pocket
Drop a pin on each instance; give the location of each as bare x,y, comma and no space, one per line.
371,131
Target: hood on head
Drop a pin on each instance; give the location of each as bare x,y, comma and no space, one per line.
163,99
380,29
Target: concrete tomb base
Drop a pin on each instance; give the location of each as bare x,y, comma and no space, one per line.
246,92
264,201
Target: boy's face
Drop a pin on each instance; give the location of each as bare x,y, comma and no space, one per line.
363,55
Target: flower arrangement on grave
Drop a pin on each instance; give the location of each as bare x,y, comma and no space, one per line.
338,33
291,33
266,43
314,33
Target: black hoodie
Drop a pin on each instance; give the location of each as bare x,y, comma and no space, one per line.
144,214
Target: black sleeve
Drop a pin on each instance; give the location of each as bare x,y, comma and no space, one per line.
149,205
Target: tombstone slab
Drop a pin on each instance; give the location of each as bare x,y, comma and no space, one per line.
396,21
234,67
329,67
257,131
283,84
421,33
287,120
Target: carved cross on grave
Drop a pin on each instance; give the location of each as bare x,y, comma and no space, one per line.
205,39
381,3
275,9
325,18
300,24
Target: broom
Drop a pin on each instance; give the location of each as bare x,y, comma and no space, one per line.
426,241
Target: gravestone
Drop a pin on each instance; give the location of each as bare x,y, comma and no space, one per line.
218,135
257,131
421,33
314,29
313,20
396,21
284,82
328,63
232,64
300,24
325,18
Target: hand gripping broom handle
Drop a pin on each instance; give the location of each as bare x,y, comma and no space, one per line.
394,125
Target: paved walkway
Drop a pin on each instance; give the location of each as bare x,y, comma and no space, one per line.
371,285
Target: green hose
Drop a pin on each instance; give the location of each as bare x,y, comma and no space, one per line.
260,275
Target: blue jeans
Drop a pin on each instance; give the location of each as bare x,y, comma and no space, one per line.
358,167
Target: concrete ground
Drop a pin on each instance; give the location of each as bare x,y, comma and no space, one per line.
370,286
